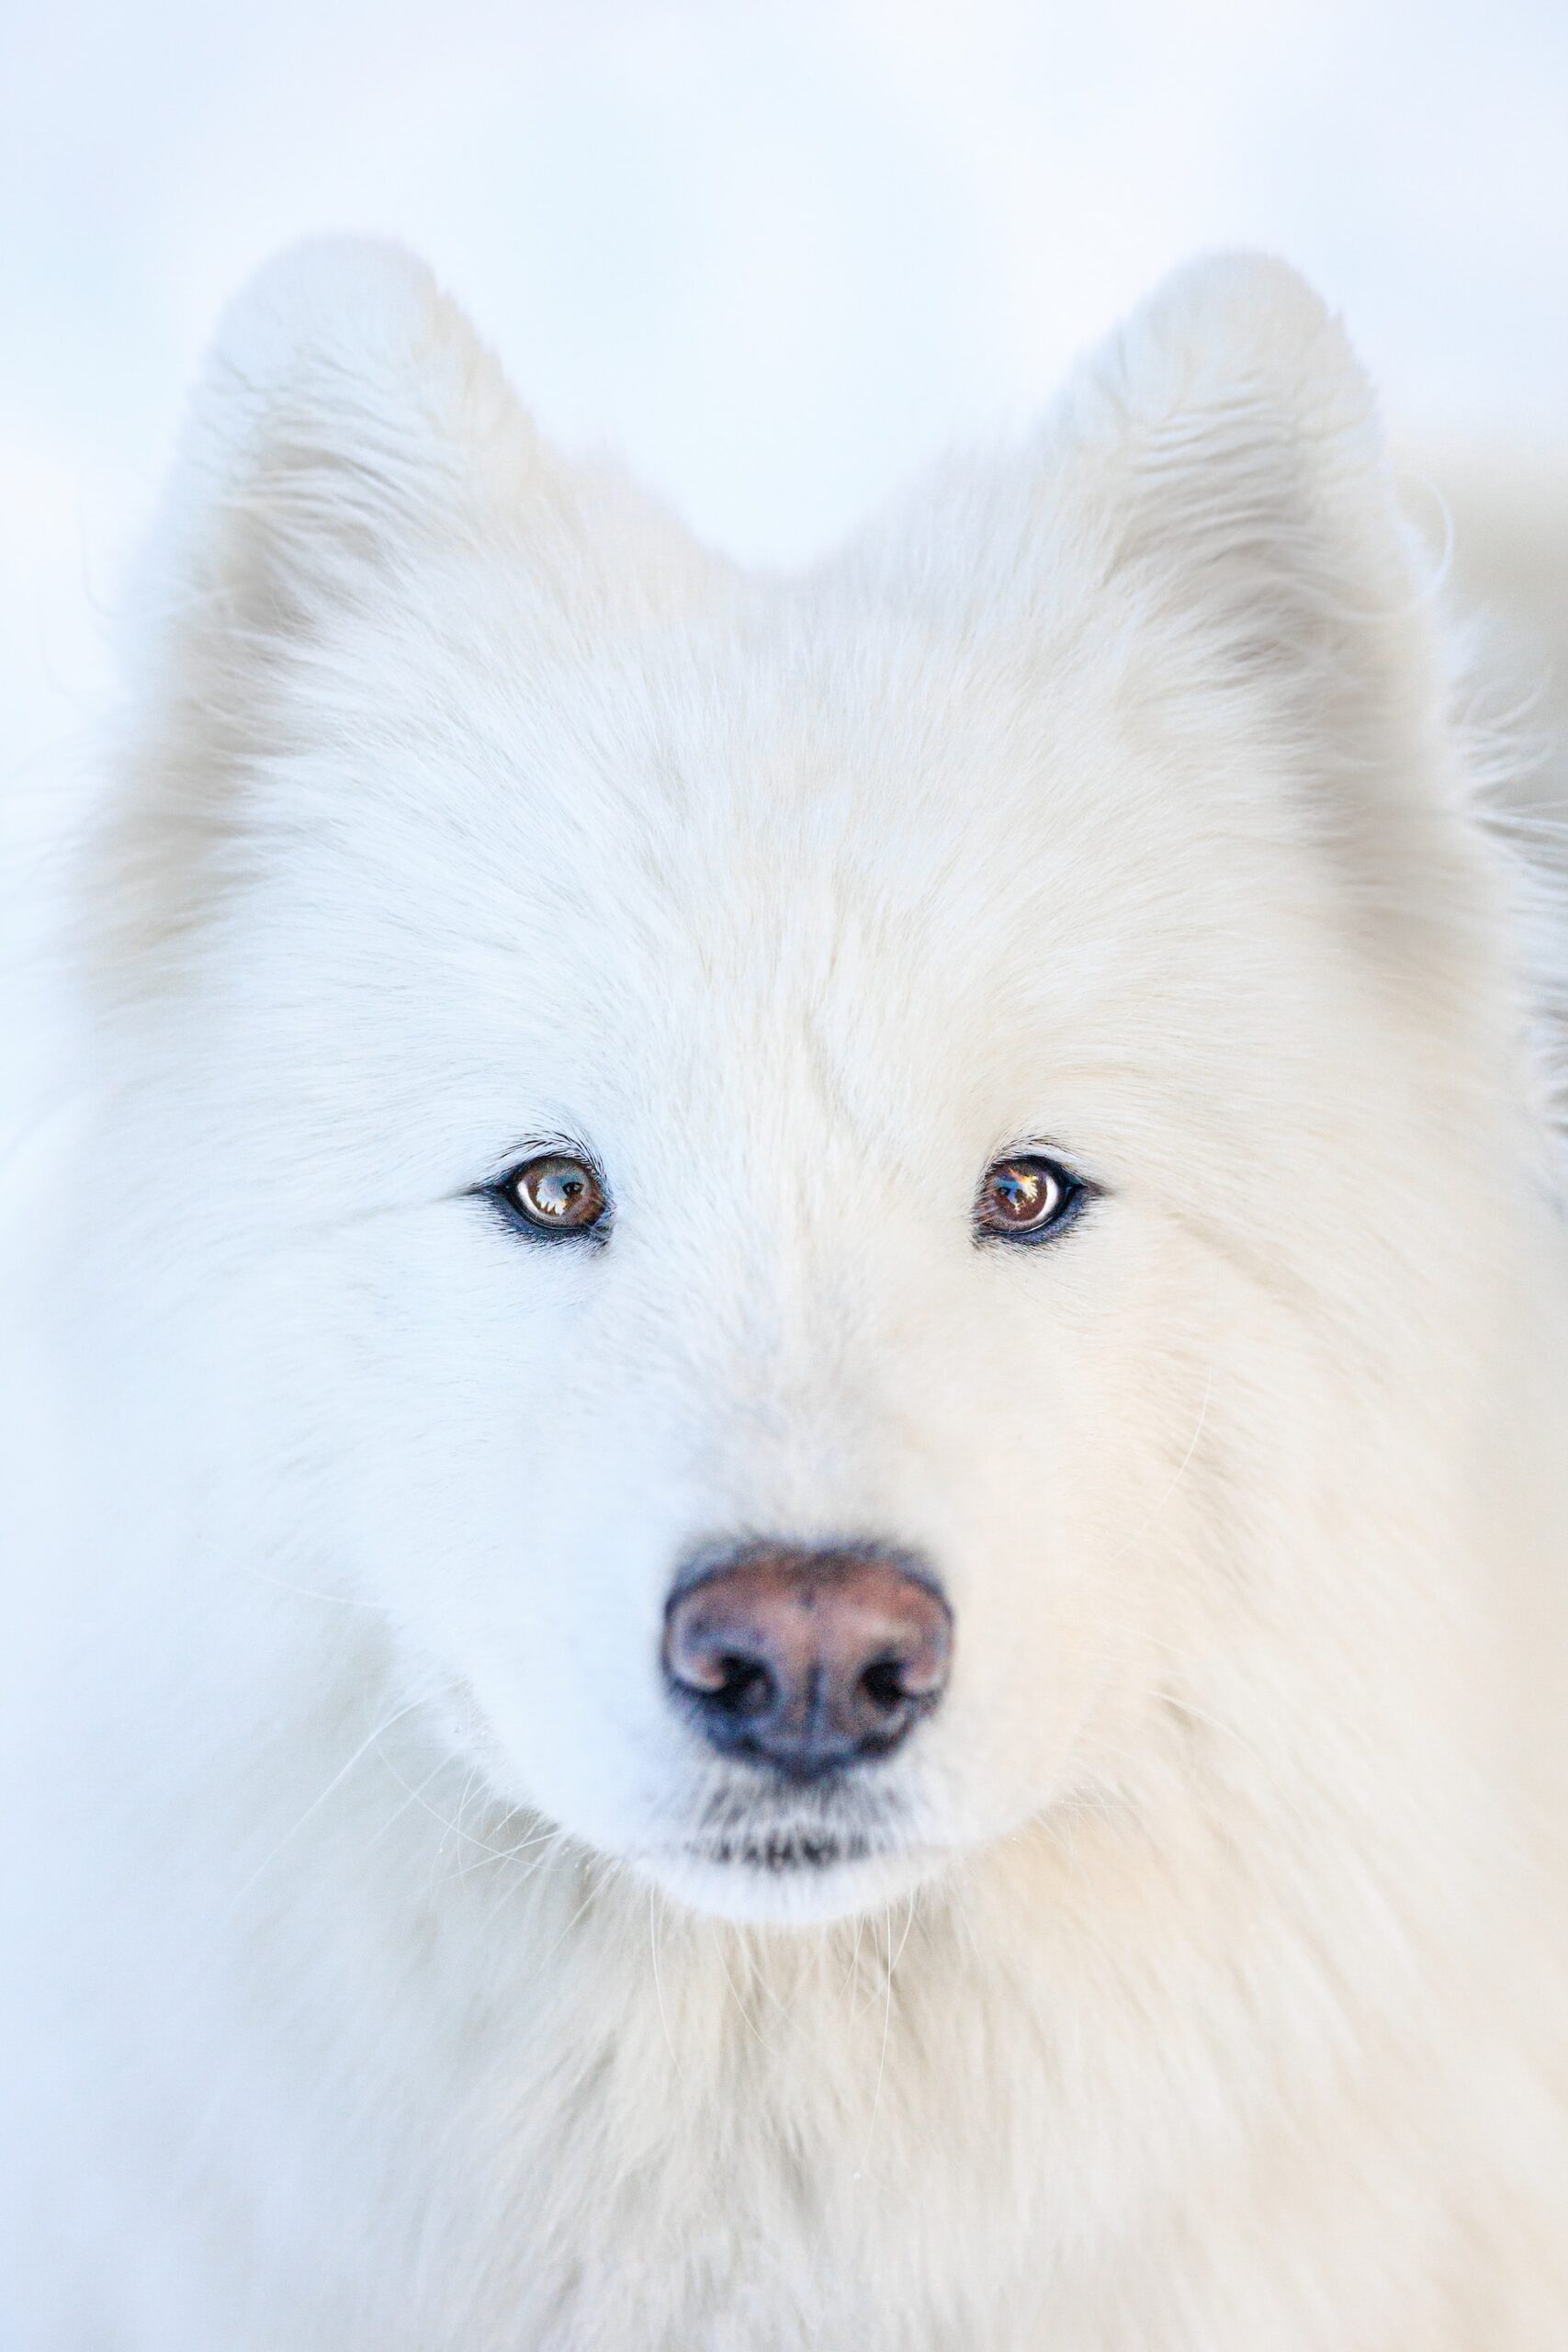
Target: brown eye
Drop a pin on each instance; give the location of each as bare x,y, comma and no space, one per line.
555,1194
1027,1198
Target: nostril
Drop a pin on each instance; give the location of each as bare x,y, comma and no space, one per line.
743,1687
884,1684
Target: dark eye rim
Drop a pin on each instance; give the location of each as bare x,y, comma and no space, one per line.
1076,1194
498,1192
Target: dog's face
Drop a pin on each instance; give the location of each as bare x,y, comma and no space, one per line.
760,1129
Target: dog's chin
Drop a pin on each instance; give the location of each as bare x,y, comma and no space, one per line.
775,1878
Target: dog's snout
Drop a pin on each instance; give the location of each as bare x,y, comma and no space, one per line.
810,1660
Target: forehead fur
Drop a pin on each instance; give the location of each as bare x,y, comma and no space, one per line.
754,795
424,691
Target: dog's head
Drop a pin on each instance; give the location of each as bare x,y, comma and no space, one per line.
813,1183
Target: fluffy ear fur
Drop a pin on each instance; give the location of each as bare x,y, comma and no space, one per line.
1223,455
1209,515
348,428
348,419
1212,491
349,439
1221,463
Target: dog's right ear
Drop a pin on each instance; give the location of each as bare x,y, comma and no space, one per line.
351,447
348,420
349,435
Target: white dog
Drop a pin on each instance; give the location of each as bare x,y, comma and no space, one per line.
789,1433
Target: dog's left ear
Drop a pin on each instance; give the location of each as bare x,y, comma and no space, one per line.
1222,457
1224,462
1215,496
1210,500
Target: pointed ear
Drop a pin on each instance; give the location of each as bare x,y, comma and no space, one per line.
348,432
1217,487
1220,461
346,416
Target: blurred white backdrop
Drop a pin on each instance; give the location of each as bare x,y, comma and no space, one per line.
775,252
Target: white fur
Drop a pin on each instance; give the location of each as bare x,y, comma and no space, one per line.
1208,1991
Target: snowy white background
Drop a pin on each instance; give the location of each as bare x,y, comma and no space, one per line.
776,254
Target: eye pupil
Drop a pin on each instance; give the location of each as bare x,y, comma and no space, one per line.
555,1193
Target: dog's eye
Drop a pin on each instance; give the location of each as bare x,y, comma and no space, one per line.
1027,1198
555,1194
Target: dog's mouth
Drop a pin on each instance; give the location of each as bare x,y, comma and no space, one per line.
780,1851
760,1855
764,1830
791,1877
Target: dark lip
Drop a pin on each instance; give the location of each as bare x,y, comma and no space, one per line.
778,1852
811,1830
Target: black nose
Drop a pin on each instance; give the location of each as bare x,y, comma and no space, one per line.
808,1660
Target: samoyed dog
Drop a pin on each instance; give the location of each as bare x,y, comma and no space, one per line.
785,1444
